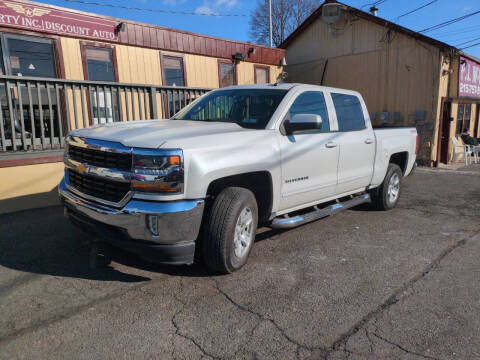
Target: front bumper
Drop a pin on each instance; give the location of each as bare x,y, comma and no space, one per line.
178,225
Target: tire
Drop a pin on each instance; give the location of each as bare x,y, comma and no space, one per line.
385,197
224,249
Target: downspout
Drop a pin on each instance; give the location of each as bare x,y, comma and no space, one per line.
324,71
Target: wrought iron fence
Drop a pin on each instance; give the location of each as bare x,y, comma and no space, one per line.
37,113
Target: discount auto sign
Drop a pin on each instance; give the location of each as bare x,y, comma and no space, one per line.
48,19
469,78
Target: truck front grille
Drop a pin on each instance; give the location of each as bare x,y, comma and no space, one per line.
109,190
105,159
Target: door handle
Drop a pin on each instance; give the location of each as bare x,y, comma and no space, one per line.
369,141
330,144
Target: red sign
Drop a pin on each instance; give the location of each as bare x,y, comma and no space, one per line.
469,78
47,19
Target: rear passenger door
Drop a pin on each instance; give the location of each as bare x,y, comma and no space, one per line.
356,141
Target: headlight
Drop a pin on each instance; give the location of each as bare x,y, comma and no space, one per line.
157,171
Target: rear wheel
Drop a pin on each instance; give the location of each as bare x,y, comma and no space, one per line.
386,196
230,230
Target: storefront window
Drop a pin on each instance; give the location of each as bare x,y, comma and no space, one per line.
29,56
99,63
173,70
103,100
227,74
463,117
262,75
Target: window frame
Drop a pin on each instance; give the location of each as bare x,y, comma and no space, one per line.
235,69
59,66
263,67
83,51
163,55
463,120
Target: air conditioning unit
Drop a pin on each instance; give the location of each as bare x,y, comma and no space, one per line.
331,13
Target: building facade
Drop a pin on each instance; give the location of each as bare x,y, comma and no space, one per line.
62,69
406,78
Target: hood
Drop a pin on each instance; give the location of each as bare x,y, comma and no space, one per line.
155,133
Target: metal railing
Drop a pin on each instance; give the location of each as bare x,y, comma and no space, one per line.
37,113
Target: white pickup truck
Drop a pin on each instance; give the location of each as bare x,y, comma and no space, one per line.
199,184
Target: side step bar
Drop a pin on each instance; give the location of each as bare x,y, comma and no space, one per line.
288,223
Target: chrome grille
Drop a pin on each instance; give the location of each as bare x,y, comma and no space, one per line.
104,159
109,190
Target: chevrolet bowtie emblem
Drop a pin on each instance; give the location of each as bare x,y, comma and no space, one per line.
81,169
27,10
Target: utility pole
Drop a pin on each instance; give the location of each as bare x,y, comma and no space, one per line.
271,30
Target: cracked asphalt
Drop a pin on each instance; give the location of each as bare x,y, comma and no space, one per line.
362,284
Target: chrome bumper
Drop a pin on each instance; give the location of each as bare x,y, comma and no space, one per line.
178,221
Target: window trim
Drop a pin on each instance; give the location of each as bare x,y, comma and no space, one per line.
235,67
164,54
83,51
263,67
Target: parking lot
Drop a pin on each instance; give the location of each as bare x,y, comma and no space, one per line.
362,285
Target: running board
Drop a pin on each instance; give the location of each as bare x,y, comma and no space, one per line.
288,223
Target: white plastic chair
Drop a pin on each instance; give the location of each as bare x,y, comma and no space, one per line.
476,152
466,150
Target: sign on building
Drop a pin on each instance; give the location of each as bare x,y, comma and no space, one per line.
469,78
51,20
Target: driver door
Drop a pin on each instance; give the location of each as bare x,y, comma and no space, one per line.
309,158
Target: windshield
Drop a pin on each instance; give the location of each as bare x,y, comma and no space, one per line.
249,108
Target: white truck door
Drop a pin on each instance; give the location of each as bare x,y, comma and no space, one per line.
357,143
309,158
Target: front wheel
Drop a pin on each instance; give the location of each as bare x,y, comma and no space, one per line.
386,196
230,230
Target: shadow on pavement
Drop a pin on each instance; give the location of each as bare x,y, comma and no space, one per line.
42,241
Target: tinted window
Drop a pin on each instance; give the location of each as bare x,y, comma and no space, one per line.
99,63
349,112
311,102
248,108
30,57
227,74
173,67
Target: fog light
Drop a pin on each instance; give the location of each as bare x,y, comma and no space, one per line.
152,223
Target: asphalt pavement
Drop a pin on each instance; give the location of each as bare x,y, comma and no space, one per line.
362,284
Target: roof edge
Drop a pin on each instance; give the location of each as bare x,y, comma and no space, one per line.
147,25
369,17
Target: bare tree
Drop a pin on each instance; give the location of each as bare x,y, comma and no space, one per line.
287,15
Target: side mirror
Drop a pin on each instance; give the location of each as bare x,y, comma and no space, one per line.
303,122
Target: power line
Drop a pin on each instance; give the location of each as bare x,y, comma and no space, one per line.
174,12
374,3
468,47
449,22
414,10
456,32
469,41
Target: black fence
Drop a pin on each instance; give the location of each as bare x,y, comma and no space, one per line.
37,113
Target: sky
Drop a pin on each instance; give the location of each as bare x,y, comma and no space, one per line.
237,28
